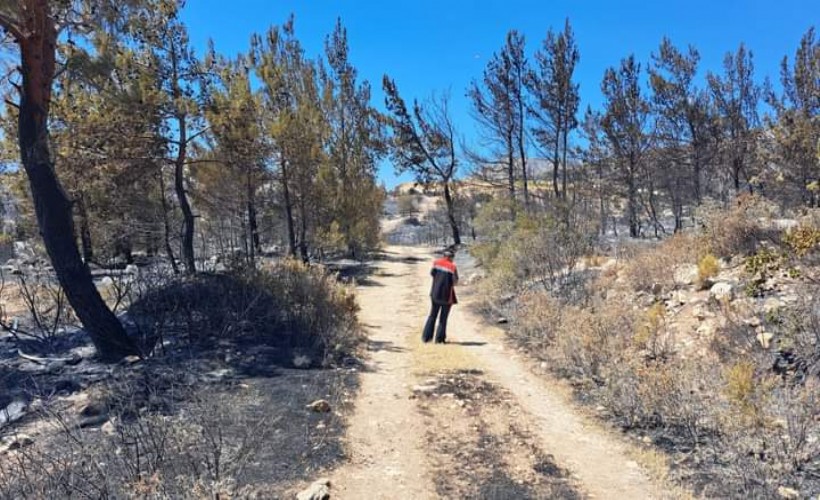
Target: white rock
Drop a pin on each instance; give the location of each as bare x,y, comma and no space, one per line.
301,361
765,339
686,274
786,492
722,292
319,490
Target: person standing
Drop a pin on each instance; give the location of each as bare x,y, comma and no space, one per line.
442,296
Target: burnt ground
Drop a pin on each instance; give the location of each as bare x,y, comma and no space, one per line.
288,444
478,446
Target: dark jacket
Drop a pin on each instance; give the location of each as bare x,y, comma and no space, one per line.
445,277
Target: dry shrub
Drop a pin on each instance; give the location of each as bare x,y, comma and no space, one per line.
288,304
659,395
802,240
653,336
708,268
737,230
538,323
655,266
200,452
588,342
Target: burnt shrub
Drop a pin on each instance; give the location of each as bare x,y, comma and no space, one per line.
287,304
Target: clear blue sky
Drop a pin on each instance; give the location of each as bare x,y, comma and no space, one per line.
428,45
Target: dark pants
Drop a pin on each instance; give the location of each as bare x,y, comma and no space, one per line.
442,311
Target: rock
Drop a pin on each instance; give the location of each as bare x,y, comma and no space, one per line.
130,360
754,321
786,492
426,389
319,406
679,298
302,361
319,490
85,352
722,292
12,413
219,375
108,428
107,281
765,339
132,269
15,442
686,274
656,289
501,320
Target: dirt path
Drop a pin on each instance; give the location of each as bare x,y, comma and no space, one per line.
384,439
468,419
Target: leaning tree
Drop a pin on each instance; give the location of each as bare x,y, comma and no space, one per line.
35,26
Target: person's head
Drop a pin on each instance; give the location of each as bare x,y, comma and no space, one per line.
449,254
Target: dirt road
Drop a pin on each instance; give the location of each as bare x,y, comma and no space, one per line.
469,419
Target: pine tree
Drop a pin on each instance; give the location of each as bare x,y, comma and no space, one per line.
556,98
625,123
736,97
424,144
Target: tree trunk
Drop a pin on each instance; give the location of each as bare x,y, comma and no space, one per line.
451,215
253,226
303,246
182,197
564,167
632,206
288,210
85,231
51,204
511,174
166,225
556,155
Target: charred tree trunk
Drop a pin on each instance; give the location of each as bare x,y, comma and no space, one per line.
303,246
51,204
166,225
85,231
288,210
556,155
511,174
632,205
188,229
187,214
564,166
451,213
253,226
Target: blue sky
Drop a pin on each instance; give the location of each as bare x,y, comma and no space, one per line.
442,45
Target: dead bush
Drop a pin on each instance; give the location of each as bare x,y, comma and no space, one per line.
737,230
43,307
538,323
589,342
654,266
288,304
201,451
